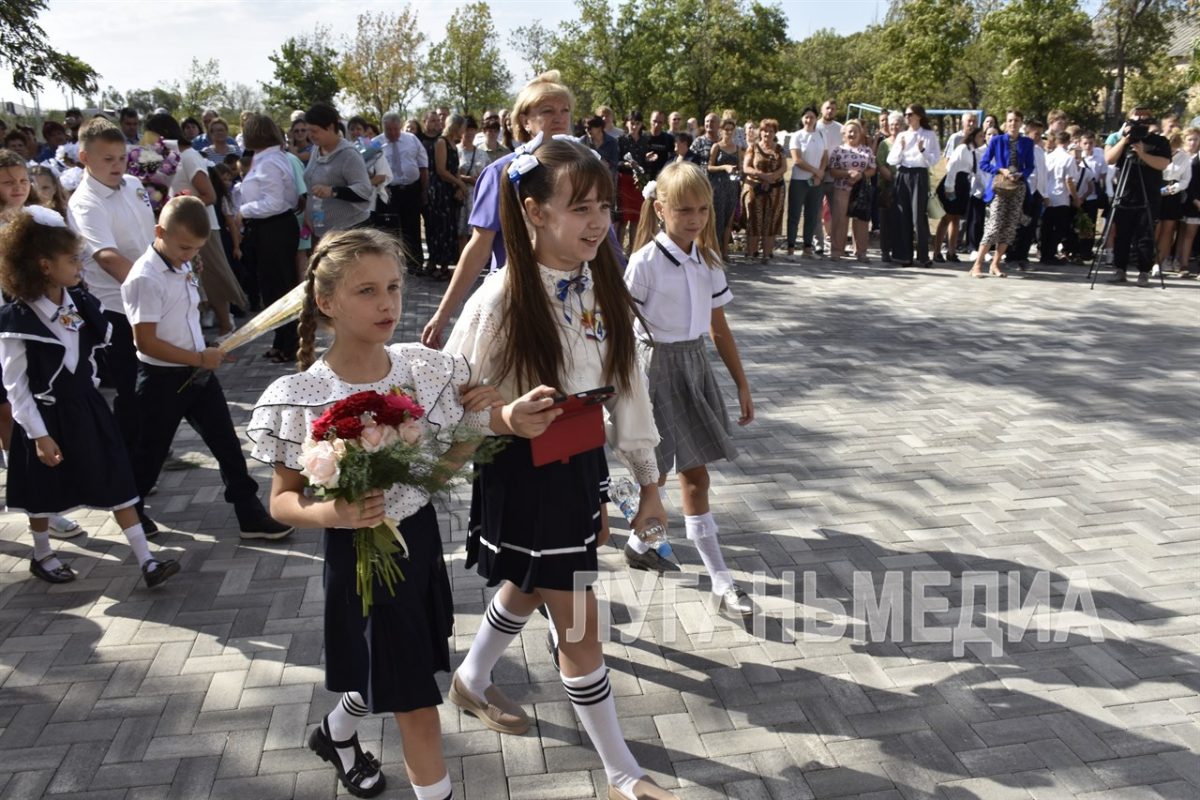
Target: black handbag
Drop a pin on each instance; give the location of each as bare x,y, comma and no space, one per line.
860,201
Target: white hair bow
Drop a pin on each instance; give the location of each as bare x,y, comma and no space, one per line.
45,216
650,191
521,165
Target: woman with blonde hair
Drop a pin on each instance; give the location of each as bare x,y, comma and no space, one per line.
852,164
543,107
764,166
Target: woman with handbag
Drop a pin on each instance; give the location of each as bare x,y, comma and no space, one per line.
851,164
764,166
1009,163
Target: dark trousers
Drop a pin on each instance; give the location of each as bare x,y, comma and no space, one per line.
1019,250
404,205
911,197
271,246
806,199
121,366
1056,229
976,214
1135,231
164,401
1085,244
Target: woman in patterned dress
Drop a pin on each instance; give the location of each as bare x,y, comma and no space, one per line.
723,174
764,165
447,191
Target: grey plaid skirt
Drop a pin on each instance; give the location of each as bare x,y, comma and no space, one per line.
688,408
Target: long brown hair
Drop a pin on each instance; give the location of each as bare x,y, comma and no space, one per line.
532,351
336,253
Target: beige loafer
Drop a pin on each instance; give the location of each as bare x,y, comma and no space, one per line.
495,710
644,789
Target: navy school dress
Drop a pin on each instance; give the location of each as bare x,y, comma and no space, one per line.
95,471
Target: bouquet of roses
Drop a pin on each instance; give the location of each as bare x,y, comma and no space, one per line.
368,441
154,165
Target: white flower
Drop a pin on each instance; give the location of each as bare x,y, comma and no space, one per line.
376,437
320,462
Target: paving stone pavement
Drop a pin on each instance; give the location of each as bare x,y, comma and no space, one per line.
914,428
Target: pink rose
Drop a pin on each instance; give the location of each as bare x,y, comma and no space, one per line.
410,432
376,437
320,462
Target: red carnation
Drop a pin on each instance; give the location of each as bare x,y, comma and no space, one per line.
401,403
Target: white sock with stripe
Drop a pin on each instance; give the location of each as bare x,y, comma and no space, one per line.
442,790
500,626
591,695
343,722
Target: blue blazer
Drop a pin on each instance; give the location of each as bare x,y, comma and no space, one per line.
996,159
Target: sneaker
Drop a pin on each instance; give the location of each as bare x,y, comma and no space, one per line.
494,709
1143,280
64,527
735,599
650,561
263,526
1118,277
155,572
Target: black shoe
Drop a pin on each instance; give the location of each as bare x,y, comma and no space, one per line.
1118,277
148,526
365,764
552,648
952,258
927,264
162,570
937,258
61,574
263,526
650,561
1143,279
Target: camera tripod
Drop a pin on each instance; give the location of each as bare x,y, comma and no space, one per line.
1127,166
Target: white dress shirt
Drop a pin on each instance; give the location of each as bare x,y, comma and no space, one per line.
406,156
269,188
1060,168
906,150
1179,170
961,160
677,291
110,219
479,336
1041,183
159,293
15,366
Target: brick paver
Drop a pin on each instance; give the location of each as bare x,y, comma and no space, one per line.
909,421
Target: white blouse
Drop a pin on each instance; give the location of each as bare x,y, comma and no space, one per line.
284,415
906,150
477,336
677,291
962,160
15,363
1180,169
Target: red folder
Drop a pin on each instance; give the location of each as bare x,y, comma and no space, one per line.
578,429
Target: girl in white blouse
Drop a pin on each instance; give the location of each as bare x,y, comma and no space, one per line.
385,662
558,316
682,296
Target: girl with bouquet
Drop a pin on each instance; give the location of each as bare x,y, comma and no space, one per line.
559,314
386,660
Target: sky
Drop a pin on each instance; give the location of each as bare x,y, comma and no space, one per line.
132,44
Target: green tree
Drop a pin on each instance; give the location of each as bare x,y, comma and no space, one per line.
1131,32
203,88
534,42
923,42
465,68
381,68
601,58
1160,84
305,72
1047,58
828,66
25,50
145,101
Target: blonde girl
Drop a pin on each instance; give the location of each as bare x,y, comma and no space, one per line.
387,661
558,316
681,292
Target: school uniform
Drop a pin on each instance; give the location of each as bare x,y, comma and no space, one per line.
168,393
49,358
391,656
537,526
960,169
1061,173
676,292
119,219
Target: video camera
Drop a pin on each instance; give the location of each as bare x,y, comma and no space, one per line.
1137,129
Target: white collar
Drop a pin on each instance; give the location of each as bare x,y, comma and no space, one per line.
48,308
667,244
551,276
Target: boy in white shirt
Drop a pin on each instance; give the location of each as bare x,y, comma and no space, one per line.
111,213
176,379
1062,176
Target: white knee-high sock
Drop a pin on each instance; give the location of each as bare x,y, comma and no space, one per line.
591,695
343,722
137,542
442,790
42,548
702,530
500,626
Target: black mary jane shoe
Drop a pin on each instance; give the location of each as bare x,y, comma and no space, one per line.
650,561
155,572
365,764
60,574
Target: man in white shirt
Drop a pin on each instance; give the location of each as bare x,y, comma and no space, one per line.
111,213
969,123
831,134
1062,176
409,161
